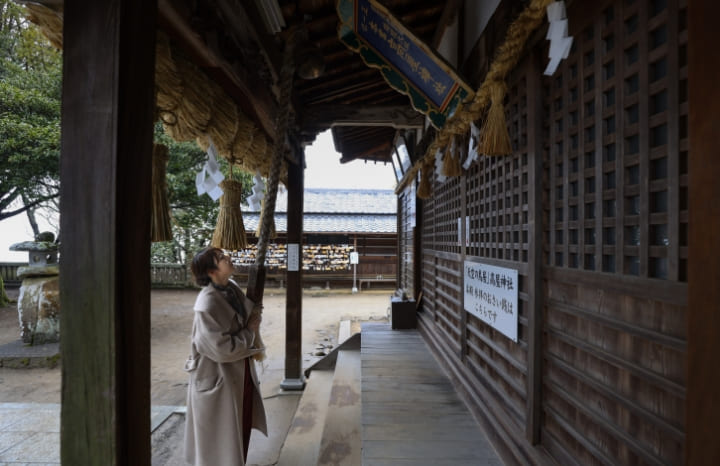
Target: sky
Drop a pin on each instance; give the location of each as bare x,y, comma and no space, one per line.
323,170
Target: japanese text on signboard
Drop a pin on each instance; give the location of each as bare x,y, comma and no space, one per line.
404,54
491,294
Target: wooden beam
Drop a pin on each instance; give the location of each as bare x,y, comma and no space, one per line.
293,304
247,28
452,7
702,409
533,408
328,116
381,152
105,173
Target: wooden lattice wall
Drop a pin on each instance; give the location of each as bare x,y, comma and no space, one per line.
616,150
591,210
406,236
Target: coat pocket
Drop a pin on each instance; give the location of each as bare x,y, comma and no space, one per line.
205,384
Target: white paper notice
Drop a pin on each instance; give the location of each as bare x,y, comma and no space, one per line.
293,261
491,295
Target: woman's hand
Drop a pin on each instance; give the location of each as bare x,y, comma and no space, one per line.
254,322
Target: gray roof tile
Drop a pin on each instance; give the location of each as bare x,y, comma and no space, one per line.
319,223
342,201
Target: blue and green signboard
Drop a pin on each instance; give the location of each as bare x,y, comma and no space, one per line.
406,63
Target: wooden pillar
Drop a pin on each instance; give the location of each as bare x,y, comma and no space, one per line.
417,245
294,379
105,174
400,223
464,236
703,319
533,406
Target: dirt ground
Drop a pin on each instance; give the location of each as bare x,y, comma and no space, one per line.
171,320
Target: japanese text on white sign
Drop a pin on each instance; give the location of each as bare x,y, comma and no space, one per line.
491,294
293,260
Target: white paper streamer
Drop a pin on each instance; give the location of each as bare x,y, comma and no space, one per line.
557,34
438,166
258,194
472,146
209,178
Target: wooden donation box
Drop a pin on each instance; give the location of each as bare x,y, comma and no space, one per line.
402,313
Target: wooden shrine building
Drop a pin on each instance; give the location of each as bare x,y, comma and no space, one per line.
569,281
336,223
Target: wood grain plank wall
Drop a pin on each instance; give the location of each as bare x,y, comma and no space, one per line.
592,211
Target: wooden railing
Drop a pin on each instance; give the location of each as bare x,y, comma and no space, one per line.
177,276
168,276
8,272
161,275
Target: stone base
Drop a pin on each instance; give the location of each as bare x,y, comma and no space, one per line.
293,384
39,310
19,355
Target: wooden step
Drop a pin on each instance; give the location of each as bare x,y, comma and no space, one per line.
342,436
302,444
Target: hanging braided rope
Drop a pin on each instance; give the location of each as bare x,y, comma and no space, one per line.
160,224
281,125
491,90
256,280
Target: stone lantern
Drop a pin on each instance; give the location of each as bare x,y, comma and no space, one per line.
39,297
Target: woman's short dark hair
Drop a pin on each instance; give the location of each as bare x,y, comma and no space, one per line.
203,262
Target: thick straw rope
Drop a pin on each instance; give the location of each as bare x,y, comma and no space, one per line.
507,57
192,106
258,232
160,229
49,21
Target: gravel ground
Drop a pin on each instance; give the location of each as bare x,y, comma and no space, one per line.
171,321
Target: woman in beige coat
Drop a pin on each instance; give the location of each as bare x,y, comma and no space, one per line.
224,401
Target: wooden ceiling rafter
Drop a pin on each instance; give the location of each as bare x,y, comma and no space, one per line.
228,40
348,82
339,95
395,116
321,83
372,94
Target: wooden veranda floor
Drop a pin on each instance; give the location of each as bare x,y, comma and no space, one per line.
411,413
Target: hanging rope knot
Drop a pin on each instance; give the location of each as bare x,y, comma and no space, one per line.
230,231
451,162
494,136
425,189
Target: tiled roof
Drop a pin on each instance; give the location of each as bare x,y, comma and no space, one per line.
342,201
335,223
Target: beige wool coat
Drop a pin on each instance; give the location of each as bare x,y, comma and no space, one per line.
220,344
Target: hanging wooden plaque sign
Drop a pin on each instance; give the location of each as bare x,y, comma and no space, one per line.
407,64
